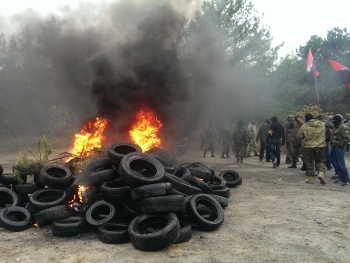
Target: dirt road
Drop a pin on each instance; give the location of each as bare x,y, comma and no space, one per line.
272,217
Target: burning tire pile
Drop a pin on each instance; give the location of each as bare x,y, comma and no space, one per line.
128,196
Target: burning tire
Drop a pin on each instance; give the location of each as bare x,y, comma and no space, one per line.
99,213
56,176
154,232
47,216
99,171
68,227
46,198
140,169
163,204
117,151
113,233
151,190
7,197
195,181
212,220
15,218
201,171
114,191
231,177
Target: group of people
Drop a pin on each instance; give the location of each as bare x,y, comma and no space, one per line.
317,142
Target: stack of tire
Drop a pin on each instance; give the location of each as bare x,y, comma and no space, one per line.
140,198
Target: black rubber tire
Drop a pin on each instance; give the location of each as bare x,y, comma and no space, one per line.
115,191
205,224
200,170
195,181
27,188
223,201
15,218
154,232
9,178
231,177
117,151
98,165
113,233
99,213
1,169
163,204
168,167
185,232
46,198
47,216
183,173
137,169
218,180
181,185
221,190
151,190
68,227
7,197
56,176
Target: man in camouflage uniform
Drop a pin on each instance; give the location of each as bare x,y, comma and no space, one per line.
312,137
252,131
339,140
240,140
289,139
210,137
261,136
225,136
296,143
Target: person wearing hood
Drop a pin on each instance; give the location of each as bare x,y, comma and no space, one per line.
312,137
339,140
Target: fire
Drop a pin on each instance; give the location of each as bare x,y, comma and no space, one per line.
77,199
145,131
90,138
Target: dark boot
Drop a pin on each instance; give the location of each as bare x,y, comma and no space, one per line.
294,165
303,168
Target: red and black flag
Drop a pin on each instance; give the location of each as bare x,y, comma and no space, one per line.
310,67
343,72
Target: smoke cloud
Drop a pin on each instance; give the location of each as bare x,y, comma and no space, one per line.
111,60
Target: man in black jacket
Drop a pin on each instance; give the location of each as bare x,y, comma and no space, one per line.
276,138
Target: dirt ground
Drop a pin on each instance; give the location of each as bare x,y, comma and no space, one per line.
272,217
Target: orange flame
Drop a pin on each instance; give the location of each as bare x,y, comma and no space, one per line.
145,131
78,197
89,139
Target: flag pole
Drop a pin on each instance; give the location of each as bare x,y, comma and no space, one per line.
318,99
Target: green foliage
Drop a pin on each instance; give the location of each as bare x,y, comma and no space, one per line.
32,161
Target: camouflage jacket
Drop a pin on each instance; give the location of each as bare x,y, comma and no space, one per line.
340,136
240,136
289,132
262,133
312,134
295,126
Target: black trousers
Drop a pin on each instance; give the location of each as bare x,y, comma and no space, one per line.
264,148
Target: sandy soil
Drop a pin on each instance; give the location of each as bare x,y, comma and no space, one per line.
272,217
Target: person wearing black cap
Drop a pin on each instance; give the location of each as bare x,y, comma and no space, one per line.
339,140
312,136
